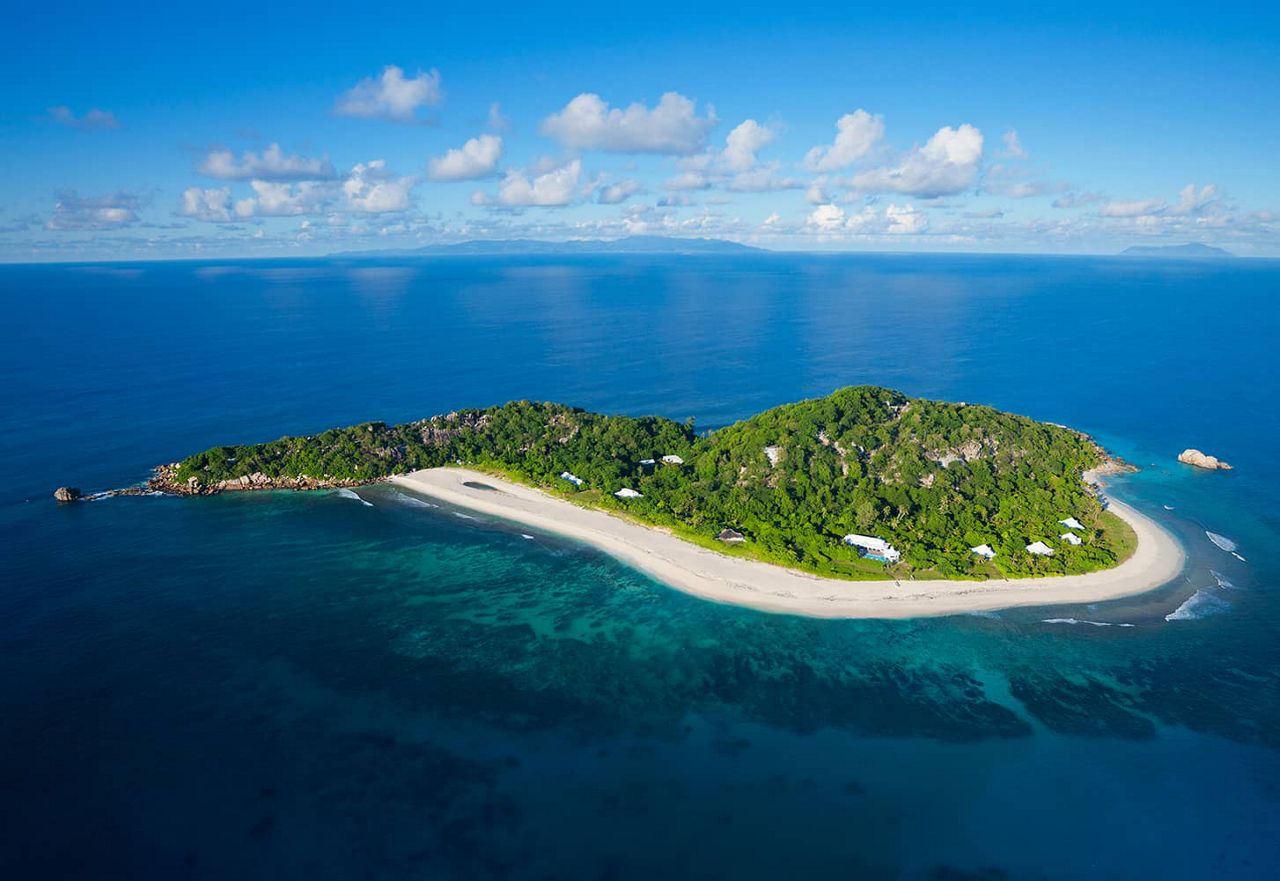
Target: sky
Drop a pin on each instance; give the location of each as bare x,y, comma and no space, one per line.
139,131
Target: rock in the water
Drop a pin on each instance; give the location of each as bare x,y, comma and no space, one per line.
1200,460
67,493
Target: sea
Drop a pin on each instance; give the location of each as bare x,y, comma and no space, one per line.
365,685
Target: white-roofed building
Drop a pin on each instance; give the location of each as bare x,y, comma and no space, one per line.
1070,538
1072,523
1040,548
648,462
628,493
576,481
873,548
673,460
984,551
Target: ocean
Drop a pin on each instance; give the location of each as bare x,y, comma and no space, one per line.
340,685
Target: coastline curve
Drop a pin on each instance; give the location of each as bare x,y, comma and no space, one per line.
768,587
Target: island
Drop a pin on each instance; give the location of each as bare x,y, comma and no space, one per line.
817,507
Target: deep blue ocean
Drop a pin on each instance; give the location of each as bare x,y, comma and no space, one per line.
283,685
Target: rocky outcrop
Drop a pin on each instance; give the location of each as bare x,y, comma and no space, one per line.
68,494
165,479
1200,460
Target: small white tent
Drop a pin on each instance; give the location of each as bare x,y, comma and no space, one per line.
628,493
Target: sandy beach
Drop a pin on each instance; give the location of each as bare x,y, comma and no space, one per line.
721,578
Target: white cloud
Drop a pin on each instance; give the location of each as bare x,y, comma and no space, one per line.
763,179
742,144
282,199
270,164
211,205
672,127
391,96
549,189
619,192
856,134
905,219
1192,201
947,164
687,180
1134,208
1013,148
477,158
73,212
372,189
830,220
94,120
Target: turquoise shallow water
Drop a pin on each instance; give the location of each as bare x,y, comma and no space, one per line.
287,684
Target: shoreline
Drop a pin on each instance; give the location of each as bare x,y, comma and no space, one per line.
768,587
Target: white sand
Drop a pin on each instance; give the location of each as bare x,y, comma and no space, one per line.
714,576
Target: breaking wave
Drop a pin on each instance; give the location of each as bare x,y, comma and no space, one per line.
348,494
463,516
1238,557
1221,541
1222,580
526,535
411,501
1200,604
1081,621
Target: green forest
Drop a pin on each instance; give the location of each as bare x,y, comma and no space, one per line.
932,478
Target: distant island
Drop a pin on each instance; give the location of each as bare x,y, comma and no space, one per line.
627,245
1191,250
843,485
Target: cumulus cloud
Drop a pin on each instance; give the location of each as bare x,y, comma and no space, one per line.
477,158
947,164
763,179
282,199
687,180
391,96
672,127
1192,202
94,120
372,189
75,212
1013,148
742,144
548,189
496,121
619,192
830,220
271,164
211,205
856,134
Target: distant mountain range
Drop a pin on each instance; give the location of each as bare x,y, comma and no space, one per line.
628,245
1191,249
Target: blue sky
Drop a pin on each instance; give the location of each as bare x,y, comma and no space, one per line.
158,132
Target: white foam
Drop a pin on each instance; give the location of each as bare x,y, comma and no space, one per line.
1238,557
1222,580
526,535
463,516
1081,621
1199,605
1168,507
348,494
983,613
1221,541
411,501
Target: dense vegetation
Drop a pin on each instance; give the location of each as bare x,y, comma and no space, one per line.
933,478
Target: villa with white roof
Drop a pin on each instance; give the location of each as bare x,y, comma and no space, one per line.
873,548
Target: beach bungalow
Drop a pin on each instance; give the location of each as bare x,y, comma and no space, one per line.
673,460
1070,538
1040,548
731,536
1072,523
648,462
576,481
628,493
873,548
984,551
